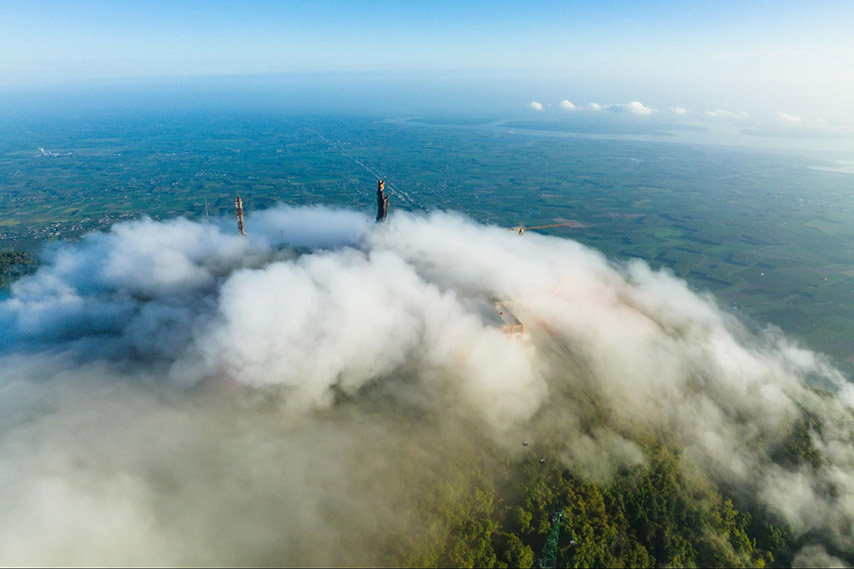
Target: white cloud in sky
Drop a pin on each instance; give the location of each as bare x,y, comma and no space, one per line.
725,114
786,117
635,107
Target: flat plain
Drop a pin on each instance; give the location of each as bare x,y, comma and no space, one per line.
768,234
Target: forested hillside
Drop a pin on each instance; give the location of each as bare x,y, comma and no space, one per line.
15,264
661,514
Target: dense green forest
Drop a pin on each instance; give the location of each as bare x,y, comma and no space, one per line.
664,513
15,264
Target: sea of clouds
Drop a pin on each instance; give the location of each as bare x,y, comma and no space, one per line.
172,393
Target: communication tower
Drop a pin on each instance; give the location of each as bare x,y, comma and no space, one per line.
238,208
548,558
382,201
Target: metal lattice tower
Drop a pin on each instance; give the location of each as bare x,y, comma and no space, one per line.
548,557
238,209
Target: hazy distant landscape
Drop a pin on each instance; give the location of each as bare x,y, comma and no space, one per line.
770,235
597,312
764,238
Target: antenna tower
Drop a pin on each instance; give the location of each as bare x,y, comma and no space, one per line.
238,208
548,557
382,201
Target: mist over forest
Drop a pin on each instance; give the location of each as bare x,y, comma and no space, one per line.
606,322
334,391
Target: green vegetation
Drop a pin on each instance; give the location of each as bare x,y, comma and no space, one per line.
798,448
771,237
662,514
479,508
15,264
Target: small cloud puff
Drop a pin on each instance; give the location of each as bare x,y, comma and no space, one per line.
786,117
724,114
635,107
679,110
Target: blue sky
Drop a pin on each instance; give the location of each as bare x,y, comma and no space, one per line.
758,58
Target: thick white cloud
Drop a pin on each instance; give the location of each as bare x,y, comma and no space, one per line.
160,381
635,107
567,105
536,106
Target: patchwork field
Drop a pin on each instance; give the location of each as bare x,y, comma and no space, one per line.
770,236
